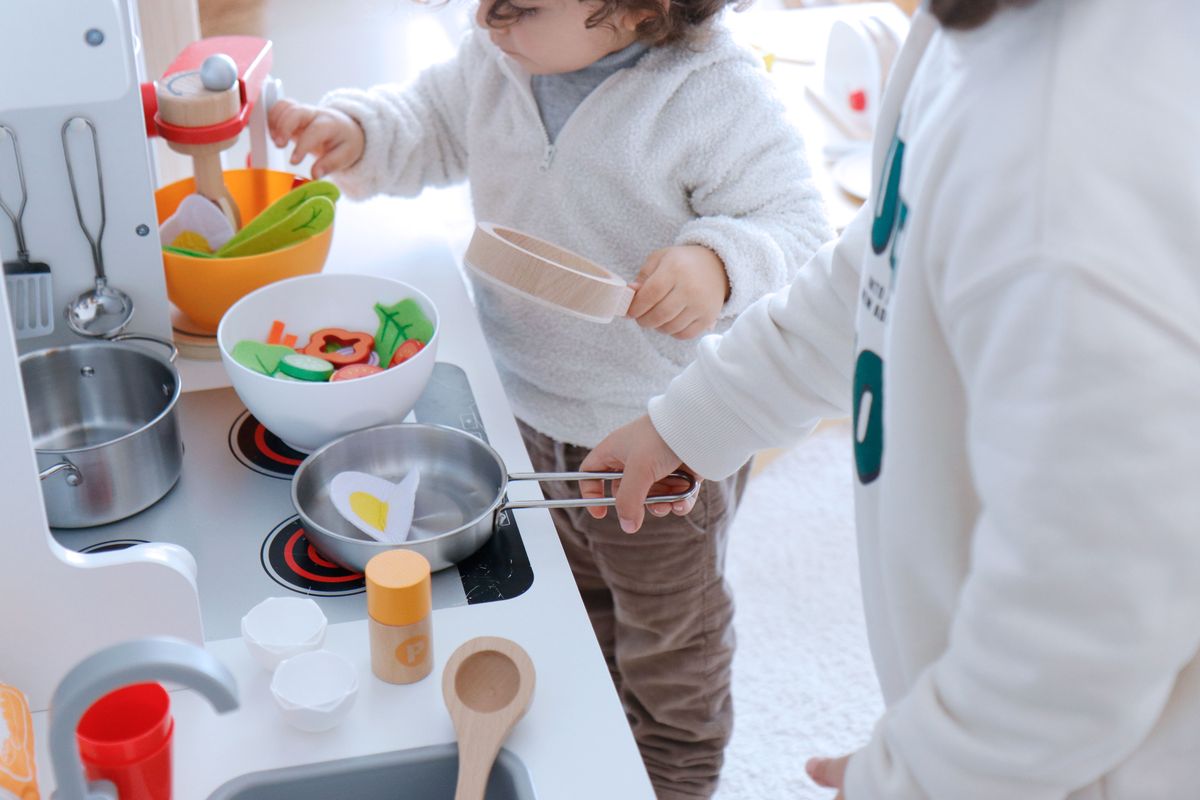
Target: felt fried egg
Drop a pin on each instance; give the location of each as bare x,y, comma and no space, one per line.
379,508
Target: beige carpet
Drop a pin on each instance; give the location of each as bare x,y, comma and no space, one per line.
803,680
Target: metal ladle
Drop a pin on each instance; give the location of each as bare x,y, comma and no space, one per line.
104,311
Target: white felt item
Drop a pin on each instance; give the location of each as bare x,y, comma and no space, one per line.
394,502
200,215
803,681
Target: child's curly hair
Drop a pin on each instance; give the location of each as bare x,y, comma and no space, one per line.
679,20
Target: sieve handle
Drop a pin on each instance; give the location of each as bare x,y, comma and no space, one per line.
693,488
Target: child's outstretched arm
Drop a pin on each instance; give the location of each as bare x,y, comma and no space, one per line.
411,136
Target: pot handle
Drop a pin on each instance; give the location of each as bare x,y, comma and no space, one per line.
74,476
145,337
693,488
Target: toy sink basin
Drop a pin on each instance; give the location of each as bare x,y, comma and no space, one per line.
424,773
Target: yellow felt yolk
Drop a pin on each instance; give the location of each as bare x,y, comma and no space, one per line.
370,509
190,240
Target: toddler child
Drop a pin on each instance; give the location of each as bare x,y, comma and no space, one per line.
639,135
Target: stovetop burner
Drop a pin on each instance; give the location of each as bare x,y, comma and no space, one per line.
295,564
260,450
238,522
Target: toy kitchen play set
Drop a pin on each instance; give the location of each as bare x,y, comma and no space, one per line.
161,524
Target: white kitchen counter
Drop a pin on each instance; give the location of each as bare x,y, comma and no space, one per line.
574,741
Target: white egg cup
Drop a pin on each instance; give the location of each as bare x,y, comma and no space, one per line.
281,627
315,690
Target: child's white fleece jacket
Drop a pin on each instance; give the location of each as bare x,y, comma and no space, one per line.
1017,332
688,146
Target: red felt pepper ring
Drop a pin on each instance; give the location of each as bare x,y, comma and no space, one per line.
332,344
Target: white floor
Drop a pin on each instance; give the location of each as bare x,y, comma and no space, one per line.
803,679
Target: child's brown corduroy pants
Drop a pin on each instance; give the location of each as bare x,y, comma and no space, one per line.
663,615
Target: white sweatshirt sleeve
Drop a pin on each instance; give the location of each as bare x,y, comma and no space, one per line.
415,134
1081,605
785,364
749,182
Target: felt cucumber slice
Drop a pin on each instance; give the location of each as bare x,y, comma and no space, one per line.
280,210
305,368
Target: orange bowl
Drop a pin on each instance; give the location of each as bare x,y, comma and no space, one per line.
205,288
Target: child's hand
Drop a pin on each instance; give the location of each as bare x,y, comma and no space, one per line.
829,773
647,461
333,137
680,291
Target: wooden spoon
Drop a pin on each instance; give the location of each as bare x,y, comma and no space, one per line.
487,685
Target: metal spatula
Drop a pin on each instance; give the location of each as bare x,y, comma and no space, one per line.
29,285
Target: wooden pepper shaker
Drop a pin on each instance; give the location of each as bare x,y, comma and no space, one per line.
399,601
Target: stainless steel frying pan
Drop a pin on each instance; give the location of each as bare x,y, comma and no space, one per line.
462,491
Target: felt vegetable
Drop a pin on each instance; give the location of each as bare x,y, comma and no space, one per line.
183,251
331,344
277,336
306,368
405,351
313,216
398,323
259,356
282,208
353,371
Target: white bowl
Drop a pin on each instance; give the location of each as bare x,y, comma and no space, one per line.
281,627
305,414
315,690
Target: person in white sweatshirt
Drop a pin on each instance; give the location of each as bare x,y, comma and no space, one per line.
1014,321
638,135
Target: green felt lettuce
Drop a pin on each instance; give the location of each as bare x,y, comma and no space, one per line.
398,323
280,210
260,356
313,216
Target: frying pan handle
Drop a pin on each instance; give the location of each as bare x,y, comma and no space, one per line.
693,488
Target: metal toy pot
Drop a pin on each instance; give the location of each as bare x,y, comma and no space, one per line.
104,427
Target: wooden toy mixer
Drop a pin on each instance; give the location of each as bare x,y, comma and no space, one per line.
206,97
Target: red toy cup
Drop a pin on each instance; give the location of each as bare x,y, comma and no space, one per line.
125,737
